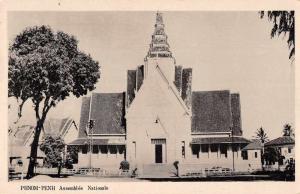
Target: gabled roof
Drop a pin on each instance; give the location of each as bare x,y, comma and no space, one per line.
186,89
21,135
236,114
19,151
285,140
211,111
254,145
84,116
57,127
107,110
131,85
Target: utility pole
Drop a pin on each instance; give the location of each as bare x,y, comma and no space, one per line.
232,147
91,133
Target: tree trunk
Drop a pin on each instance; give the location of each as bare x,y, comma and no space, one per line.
59,170
34,148
262,157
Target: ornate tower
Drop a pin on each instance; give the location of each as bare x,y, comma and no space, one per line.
159,56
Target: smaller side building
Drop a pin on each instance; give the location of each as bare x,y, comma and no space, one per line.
252,155
286,147
20,140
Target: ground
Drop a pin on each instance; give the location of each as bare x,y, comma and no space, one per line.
45,178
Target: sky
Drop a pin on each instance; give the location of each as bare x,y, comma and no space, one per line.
227,51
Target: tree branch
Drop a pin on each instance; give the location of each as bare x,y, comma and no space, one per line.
36,109
47,108
46,103
20,109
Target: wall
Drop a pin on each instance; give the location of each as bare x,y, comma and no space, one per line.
104,161
211,160
157,99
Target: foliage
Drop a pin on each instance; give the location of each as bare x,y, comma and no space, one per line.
176,163
72,154
124,165
283,23
288,130
53,147
272,155
290,170
47,67
261,135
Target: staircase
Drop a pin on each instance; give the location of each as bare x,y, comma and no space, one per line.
158,171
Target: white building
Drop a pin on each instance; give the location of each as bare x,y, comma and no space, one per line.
286,147
160,120
21,138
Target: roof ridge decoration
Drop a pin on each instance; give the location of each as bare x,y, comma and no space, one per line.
159,46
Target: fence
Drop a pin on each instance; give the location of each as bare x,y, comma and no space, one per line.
85,172
190,170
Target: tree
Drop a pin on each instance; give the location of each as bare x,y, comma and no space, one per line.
262,137
72,153
283,23
272,155
287,130
47,67
54,148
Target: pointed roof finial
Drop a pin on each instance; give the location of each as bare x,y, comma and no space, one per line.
159,46
159,18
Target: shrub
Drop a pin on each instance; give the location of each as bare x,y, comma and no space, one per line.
176,164
124,165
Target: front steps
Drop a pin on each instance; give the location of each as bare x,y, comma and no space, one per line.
157,171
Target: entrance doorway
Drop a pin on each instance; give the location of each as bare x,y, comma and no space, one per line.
158,153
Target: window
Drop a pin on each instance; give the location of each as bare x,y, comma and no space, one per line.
121,149
234,147
245,155
84,149
223,150
195,150
103,149
183,149
214,148
255,154
95,149
289,150
204,148
112,149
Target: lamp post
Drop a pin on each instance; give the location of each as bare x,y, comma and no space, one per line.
91,133
232,147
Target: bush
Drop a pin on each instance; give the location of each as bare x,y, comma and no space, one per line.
176,164
124,165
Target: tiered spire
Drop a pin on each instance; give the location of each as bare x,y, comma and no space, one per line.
159,46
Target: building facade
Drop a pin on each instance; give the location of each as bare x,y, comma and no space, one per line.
21,138
160,120
285,145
